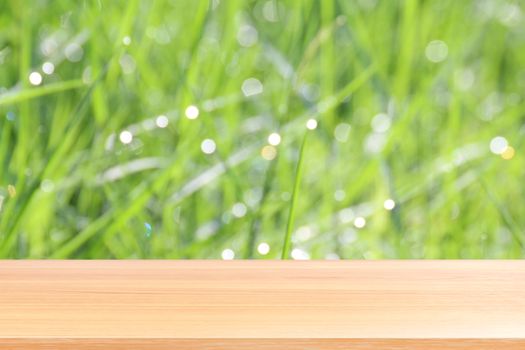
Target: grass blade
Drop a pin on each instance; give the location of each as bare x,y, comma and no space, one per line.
287,246
17,96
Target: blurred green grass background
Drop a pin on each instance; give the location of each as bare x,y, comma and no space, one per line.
178,129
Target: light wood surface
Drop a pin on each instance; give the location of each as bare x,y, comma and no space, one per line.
262,304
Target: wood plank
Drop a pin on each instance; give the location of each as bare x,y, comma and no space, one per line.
262,304
262,344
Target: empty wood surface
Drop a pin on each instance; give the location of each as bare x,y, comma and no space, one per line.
262,304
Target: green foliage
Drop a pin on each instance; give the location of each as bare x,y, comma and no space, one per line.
408,96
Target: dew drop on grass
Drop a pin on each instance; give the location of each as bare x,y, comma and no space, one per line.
247,36
11,190
73,52
148,229
346,215
339,195
381,123
341,132
127,63
270,12
252,87
47,186
436,51
239,210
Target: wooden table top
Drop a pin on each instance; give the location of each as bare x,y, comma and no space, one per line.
153,304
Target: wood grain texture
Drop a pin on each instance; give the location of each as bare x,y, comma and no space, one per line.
263,344
262,304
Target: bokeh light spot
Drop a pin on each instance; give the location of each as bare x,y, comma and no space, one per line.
162,121
436,51
299,254
342,132
247,36
192,112
239,210
360,222
208,146
228,254
73,52
339,195
126,137
269,152
47,185
508,153
252,87
263,248
11,190
381,123
274,139
311,124
35,78
389,204
498,145
48,68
